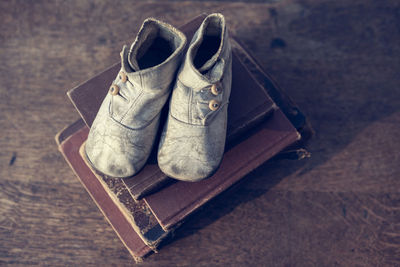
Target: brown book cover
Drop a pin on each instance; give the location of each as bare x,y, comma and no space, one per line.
69,141
247,108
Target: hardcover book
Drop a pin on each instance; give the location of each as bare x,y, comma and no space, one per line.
257,131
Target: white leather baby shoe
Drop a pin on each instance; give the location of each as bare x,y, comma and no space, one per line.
193,140
122,135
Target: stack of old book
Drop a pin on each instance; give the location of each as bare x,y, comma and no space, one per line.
146,208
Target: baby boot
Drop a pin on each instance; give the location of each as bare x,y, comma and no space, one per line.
193,139
121,137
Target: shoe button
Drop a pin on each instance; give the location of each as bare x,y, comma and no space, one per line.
213,105
123,77
216,89
114,89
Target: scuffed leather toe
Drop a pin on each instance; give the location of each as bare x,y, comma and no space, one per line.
184,153
116,150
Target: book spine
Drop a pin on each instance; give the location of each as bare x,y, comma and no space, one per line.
137,213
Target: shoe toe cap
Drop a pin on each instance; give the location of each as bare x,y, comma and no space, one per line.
187,168
190,153
118,151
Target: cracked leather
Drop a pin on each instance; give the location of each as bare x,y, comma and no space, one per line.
123,132
193,139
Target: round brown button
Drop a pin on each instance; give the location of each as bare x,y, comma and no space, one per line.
123,77
216,89
213,105
114,89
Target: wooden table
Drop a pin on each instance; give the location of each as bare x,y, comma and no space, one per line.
339,60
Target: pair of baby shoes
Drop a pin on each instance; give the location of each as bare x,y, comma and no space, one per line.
154,69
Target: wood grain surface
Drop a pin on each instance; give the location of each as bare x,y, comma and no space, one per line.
339,60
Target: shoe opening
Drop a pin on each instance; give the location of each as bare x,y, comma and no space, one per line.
205,55
155,43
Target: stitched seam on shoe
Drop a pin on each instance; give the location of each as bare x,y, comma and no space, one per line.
189,125
130,128
130,107
137,99
191,97
189,107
